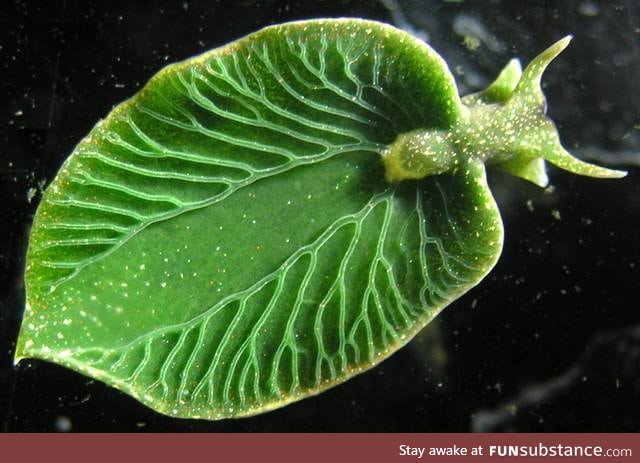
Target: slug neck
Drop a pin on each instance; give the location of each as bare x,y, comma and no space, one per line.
490,133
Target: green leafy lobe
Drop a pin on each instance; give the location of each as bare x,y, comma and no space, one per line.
228,240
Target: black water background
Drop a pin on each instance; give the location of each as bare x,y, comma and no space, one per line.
550,341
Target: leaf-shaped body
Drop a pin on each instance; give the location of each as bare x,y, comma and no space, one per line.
225,242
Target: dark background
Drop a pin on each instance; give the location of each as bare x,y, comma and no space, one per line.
550,341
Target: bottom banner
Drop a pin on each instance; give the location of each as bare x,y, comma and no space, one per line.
308,448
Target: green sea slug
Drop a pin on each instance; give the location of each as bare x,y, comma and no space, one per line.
264,221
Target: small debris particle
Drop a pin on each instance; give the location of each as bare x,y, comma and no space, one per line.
31,193
62,424
530,205
589,9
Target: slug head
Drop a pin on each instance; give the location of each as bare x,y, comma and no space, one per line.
505,126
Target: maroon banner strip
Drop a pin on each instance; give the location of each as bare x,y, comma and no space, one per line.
320,448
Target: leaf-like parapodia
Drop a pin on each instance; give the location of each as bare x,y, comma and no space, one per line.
202,129
225,242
